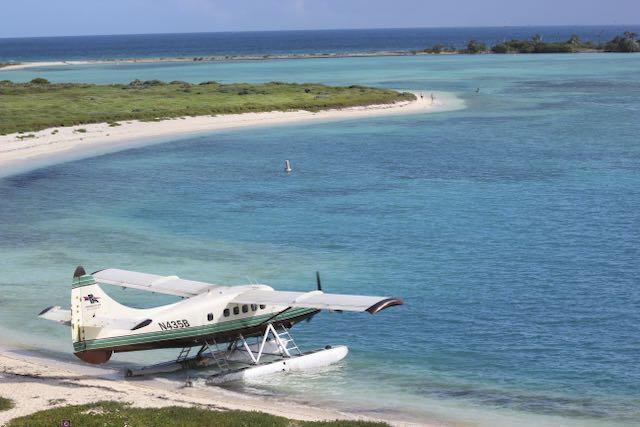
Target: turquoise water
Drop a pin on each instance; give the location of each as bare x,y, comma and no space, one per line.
510,228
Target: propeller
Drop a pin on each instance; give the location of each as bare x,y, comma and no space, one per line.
319,286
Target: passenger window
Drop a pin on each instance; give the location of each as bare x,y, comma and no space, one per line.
236,310
262,306
210,317
245,308
226,312
254,307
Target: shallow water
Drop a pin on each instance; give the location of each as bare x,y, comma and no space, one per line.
510,228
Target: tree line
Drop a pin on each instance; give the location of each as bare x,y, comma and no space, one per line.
626,42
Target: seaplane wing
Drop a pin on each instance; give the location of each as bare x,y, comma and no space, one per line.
171,285
317,299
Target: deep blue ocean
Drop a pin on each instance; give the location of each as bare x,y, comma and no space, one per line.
510,227
280,42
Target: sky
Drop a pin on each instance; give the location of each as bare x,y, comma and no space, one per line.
33,18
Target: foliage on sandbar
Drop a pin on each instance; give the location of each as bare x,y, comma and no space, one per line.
39,104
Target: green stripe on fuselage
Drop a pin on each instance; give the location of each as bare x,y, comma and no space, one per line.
195,331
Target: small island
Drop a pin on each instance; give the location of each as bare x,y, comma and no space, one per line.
627,42
39,104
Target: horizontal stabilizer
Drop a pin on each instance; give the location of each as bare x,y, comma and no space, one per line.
56,314
171,285
317,299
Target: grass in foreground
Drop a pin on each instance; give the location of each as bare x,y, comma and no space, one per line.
26,107
5,404
114,414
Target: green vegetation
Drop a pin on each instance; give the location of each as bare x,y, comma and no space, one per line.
628,42
440,48
114,414
5,404
536,45
39,81
475,47
39,104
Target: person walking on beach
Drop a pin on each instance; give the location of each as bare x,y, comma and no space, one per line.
421,96
432,97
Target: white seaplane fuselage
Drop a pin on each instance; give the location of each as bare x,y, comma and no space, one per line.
102,326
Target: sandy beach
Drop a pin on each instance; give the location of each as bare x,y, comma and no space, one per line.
35,383
30,150
214,58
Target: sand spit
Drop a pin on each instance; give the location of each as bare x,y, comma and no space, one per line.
214,58
30,150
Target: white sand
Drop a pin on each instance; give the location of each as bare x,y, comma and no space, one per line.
23,65
30,150
35,383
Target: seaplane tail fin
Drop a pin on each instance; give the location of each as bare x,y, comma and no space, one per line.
94,313
318,299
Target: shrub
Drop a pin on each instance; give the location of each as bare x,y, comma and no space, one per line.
553,47
475,47
39,81
153,83
5,404
625,43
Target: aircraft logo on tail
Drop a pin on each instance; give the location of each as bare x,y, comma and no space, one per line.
92,299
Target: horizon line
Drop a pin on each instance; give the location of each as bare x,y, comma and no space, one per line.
321,29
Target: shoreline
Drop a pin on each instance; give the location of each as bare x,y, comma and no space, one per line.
31,150
11,66
35,382
211,58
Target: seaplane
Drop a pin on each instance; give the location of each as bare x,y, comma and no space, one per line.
240,331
